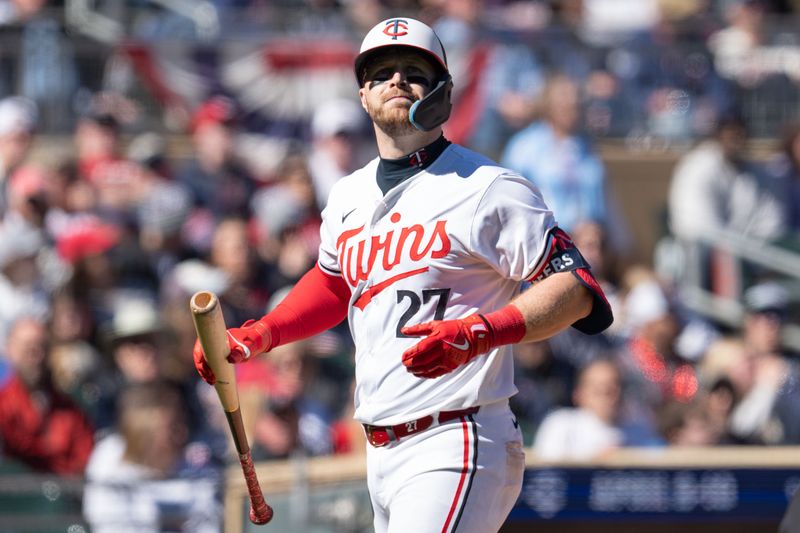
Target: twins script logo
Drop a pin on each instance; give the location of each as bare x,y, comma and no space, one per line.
358,257
396,28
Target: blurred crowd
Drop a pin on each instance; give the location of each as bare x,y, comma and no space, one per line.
656,73
103,241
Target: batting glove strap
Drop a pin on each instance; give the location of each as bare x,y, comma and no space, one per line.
249,340
478,331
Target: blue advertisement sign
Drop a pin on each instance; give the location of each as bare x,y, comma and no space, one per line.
639,494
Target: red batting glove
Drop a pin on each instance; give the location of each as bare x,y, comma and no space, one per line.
252,338
452,343
448,345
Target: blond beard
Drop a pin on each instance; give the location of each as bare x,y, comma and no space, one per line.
392,121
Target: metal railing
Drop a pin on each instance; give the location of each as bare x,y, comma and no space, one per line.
689,267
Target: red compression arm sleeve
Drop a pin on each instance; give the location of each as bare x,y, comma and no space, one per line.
315,304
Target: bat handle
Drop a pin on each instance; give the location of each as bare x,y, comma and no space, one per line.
260,511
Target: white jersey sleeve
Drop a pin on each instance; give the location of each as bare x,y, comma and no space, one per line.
328,261
510,226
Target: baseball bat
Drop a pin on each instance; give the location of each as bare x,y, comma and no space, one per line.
210,326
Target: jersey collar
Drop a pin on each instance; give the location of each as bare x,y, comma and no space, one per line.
392,172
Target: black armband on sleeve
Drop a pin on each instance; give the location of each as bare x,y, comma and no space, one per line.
561,260
563,256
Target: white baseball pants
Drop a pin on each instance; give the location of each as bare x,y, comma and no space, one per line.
462,476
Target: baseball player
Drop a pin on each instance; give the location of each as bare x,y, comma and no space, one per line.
425,250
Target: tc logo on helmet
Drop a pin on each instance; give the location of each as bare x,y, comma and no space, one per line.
396,28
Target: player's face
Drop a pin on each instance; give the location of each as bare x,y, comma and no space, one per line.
392,84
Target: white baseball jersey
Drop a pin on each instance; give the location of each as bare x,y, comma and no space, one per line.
457,238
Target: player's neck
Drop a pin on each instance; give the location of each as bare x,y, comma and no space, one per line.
397,147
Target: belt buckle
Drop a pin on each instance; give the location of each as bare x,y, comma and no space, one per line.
373,434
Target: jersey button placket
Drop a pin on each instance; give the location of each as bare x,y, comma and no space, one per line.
376,326
376,225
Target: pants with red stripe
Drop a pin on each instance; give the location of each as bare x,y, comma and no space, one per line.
462,476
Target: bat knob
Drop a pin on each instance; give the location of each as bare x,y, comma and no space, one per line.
262,517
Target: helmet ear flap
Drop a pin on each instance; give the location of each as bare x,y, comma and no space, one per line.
434,109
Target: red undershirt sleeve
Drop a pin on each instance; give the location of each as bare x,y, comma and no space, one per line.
315,304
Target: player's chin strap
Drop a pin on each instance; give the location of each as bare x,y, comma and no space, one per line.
434,109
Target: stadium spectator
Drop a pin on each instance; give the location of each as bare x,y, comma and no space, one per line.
792,149
726,373
221,185
70,197
39,426
162,205
75,360
767,411
606,22
18,120
148,476
737,48
233,255
687,424
106,259
101,163
562,163
546,373
288,206
97,143
595,426
23,249
337,129
653,371
723,373
28,201
71,319
785,167
133,338
17,11
714,188
364,14
720,400
87,244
